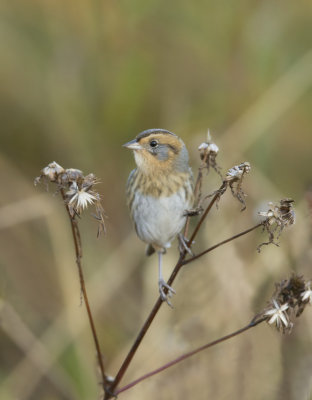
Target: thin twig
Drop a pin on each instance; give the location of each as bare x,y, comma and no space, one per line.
197,192
189,354
189,260
78,251
204,215
122,370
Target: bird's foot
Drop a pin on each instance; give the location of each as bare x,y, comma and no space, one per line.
165,296
183,245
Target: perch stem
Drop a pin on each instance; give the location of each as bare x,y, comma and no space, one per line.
187,355
78,251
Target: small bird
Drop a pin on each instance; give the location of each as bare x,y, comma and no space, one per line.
159,193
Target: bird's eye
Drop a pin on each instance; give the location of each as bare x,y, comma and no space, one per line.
153,143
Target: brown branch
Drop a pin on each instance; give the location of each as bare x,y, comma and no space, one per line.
252,324
189,260
78,251
197,191
110,392
204,215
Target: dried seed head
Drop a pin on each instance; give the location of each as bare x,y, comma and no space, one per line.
277,315
288,302
208,154
277,217
234,178
287,214
73,175
237,172
79,198
208,148
50,173
282,214
77,190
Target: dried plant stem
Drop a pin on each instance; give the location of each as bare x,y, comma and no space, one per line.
197,192
204,215
78,251
189,260
183,357
153,313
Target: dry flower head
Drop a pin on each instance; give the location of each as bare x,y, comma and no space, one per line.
289,300
234,179
208,154
77,190
277,315
277,217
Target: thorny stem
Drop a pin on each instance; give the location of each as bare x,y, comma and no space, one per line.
189,260
110,392
252,324
78,251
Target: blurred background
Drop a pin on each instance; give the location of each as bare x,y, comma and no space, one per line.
79,79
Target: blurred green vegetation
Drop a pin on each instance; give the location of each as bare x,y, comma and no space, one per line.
78,79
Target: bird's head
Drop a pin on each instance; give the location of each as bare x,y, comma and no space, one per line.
159,150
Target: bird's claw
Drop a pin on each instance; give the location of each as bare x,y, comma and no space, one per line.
165,296
184,246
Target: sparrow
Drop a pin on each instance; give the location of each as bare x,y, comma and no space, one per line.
159,193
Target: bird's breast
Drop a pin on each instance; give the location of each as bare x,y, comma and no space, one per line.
158,212
162,184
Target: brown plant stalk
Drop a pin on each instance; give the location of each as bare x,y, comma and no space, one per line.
197,191
183,357
189,260
78,251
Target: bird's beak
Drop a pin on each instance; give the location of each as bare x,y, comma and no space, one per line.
133,145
